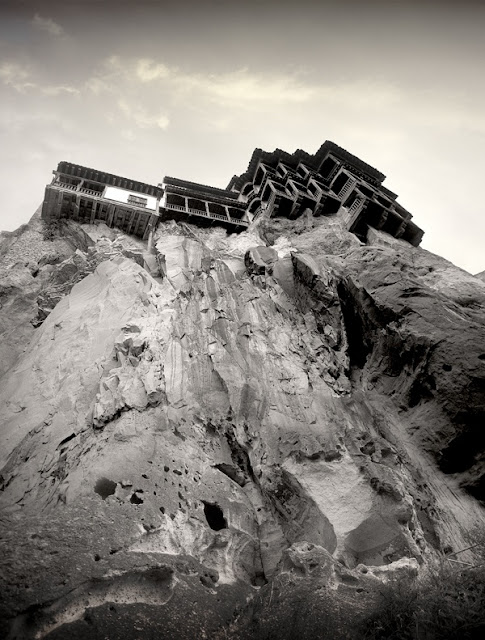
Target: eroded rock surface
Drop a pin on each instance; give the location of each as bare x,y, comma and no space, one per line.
199,440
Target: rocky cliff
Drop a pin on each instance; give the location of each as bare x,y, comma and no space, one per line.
230,436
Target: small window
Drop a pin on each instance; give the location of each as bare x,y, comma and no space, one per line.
137,200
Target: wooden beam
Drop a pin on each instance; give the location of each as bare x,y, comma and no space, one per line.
76,206
132,218
111,214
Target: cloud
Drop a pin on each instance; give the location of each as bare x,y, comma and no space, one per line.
128,134
238,88
48,25
98,85
129,78
16,75
147,70
60,89
141,118
247,89
140,86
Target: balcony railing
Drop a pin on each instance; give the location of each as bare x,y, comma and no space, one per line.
344,191
91,192
65,185
199,212
356,206
74,187
175,207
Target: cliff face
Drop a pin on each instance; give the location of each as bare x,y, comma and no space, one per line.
232,436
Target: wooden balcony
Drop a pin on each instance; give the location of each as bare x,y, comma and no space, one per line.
203,214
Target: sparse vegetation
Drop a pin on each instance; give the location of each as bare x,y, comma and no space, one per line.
50,230
446,604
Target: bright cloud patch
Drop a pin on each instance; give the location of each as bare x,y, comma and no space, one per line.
147,70
58,90
11,72
15,75
246,89
48,25
141,118
18,76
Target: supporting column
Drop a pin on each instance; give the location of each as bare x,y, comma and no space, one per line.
130,224
78,187
59,199
382,220
227,212
76,206
401,229
93,212
111,214
207,208
150,230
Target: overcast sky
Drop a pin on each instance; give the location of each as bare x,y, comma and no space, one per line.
188,89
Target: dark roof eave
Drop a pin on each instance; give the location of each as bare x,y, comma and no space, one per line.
202,188
108,178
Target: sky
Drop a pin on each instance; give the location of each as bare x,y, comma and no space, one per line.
189,89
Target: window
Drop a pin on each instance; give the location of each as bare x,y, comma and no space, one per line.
137,200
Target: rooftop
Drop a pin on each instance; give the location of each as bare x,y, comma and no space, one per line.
312,160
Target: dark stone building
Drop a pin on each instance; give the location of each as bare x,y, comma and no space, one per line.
332,181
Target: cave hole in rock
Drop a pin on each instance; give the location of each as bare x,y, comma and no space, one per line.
136,499
105,487
214,516
464,449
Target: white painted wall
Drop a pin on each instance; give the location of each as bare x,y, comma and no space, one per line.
121,195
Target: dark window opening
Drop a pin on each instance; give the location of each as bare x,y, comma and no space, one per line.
327,167
266,193
214,516
176,200
105,487
339,182
351,199
259,177
198,205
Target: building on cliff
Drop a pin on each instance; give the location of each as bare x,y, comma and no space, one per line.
330,182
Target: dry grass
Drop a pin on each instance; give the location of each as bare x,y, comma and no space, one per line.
448,604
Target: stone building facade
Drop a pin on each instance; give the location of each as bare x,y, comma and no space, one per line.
330,182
